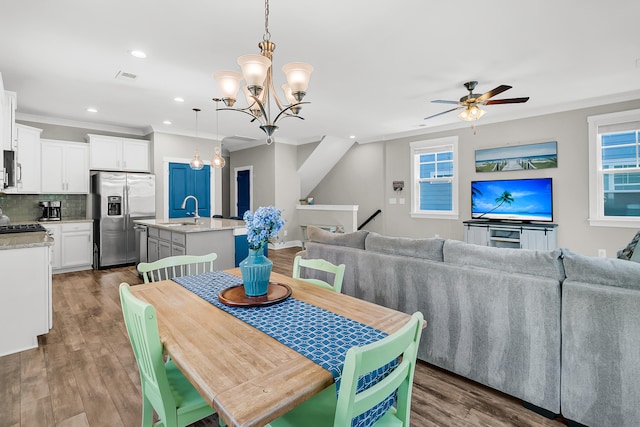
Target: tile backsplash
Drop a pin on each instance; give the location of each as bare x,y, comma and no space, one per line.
24,207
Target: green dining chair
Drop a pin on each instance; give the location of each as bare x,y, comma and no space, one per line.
324,410
322,265
176,266
164,388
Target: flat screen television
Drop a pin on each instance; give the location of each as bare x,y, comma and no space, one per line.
526,200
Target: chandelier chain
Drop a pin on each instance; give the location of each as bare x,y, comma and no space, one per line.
267,34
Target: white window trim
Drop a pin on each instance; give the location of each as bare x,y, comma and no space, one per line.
596,200
432,143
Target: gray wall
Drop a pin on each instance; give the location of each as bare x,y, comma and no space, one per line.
358,179
262,159
365,174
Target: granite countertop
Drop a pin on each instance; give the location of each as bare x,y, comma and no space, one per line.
188,225
25,240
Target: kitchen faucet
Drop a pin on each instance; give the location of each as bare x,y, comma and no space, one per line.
184,204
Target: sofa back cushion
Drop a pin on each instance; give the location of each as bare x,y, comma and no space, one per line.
429,248
350,240
521,261
601,271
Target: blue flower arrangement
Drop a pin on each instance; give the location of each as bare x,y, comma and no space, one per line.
262,225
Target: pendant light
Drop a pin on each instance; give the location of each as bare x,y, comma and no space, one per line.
217,161
196,163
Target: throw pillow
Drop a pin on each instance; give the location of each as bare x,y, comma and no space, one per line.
627,252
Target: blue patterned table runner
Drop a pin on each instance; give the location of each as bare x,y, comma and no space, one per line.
318,334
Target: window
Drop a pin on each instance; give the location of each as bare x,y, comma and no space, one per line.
614,175
434,175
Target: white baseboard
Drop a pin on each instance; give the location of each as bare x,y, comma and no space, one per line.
283,245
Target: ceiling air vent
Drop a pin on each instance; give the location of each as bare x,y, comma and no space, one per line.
123,75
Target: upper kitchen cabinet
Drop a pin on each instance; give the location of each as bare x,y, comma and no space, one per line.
8,120
65,167
118,154
27,159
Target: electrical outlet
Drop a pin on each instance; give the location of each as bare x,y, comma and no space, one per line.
602,253
285,233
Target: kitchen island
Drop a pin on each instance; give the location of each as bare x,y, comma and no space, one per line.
25,290
185,236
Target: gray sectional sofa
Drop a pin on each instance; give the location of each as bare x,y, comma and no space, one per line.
558,330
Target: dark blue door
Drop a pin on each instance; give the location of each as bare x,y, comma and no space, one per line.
244,191
184,181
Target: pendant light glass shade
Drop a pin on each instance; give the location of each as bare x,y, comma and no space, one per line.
196,163
217,161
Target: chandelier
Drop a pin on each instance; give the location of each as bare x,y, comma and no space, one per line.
259,90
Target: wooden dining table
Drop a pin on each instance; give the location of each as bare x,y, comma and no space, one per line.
248,377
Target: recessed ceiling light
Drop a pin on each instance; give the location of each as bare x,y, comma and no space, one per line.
352,137
166,122
178,99
138,54
92,110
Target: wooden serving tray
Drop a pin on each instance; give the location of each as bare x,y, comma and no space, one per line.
235,296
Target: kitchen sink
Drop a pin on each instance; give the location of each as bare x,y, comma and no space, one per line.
177,224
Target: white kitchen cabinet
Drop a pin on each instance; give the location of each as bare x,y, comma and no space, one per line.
118,154
25,298
76,239
65,167
28,176
536,236
54,231
7,119
72,249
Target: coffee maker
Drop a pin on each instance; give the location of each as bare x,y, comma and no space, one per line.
51,210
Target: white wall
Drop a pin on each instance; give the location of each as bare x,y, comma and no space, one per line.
287,190
365,174
262,160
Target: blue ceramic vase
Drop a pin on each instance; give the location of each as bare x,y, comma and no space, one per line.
256,270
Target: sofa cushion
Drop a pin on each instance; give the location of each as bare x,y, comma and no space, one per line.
521,261
350,240
601,271
429,248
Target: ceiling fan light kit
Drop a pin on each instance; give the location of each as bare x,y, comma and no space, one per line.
470,104
260,90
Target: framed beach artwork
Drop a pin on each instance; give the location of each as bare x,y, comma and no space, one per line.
541,155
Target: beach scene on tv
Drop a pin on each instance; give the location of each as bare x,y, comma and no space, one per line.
512,199
521,157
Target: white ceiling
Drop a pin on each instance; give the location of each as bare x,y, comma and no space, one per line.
377,64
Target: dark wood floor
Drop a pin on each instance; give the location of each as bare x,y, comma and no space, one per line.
84,374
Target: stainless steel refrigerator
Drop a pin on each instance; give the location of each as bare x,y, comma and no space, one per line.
119,198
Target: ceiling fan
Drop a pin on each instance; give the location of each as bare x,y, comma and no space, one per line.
470,104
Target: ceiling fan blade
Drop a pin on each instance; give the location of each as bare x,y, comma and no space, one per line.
506,101
492,93
444,112
442,101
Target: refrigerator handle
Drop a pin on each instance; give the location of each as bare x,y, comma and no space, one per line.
125,207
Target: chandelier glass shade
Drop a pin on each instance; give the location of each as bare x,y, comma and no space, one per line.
259,89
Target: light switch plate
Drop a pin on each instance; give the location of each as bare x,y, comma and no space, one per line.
392,201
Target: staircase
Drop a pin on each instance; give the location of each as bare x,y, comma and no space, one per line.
321,161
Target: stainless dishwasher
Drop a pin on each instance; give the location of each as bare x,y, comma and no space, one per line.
141,241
